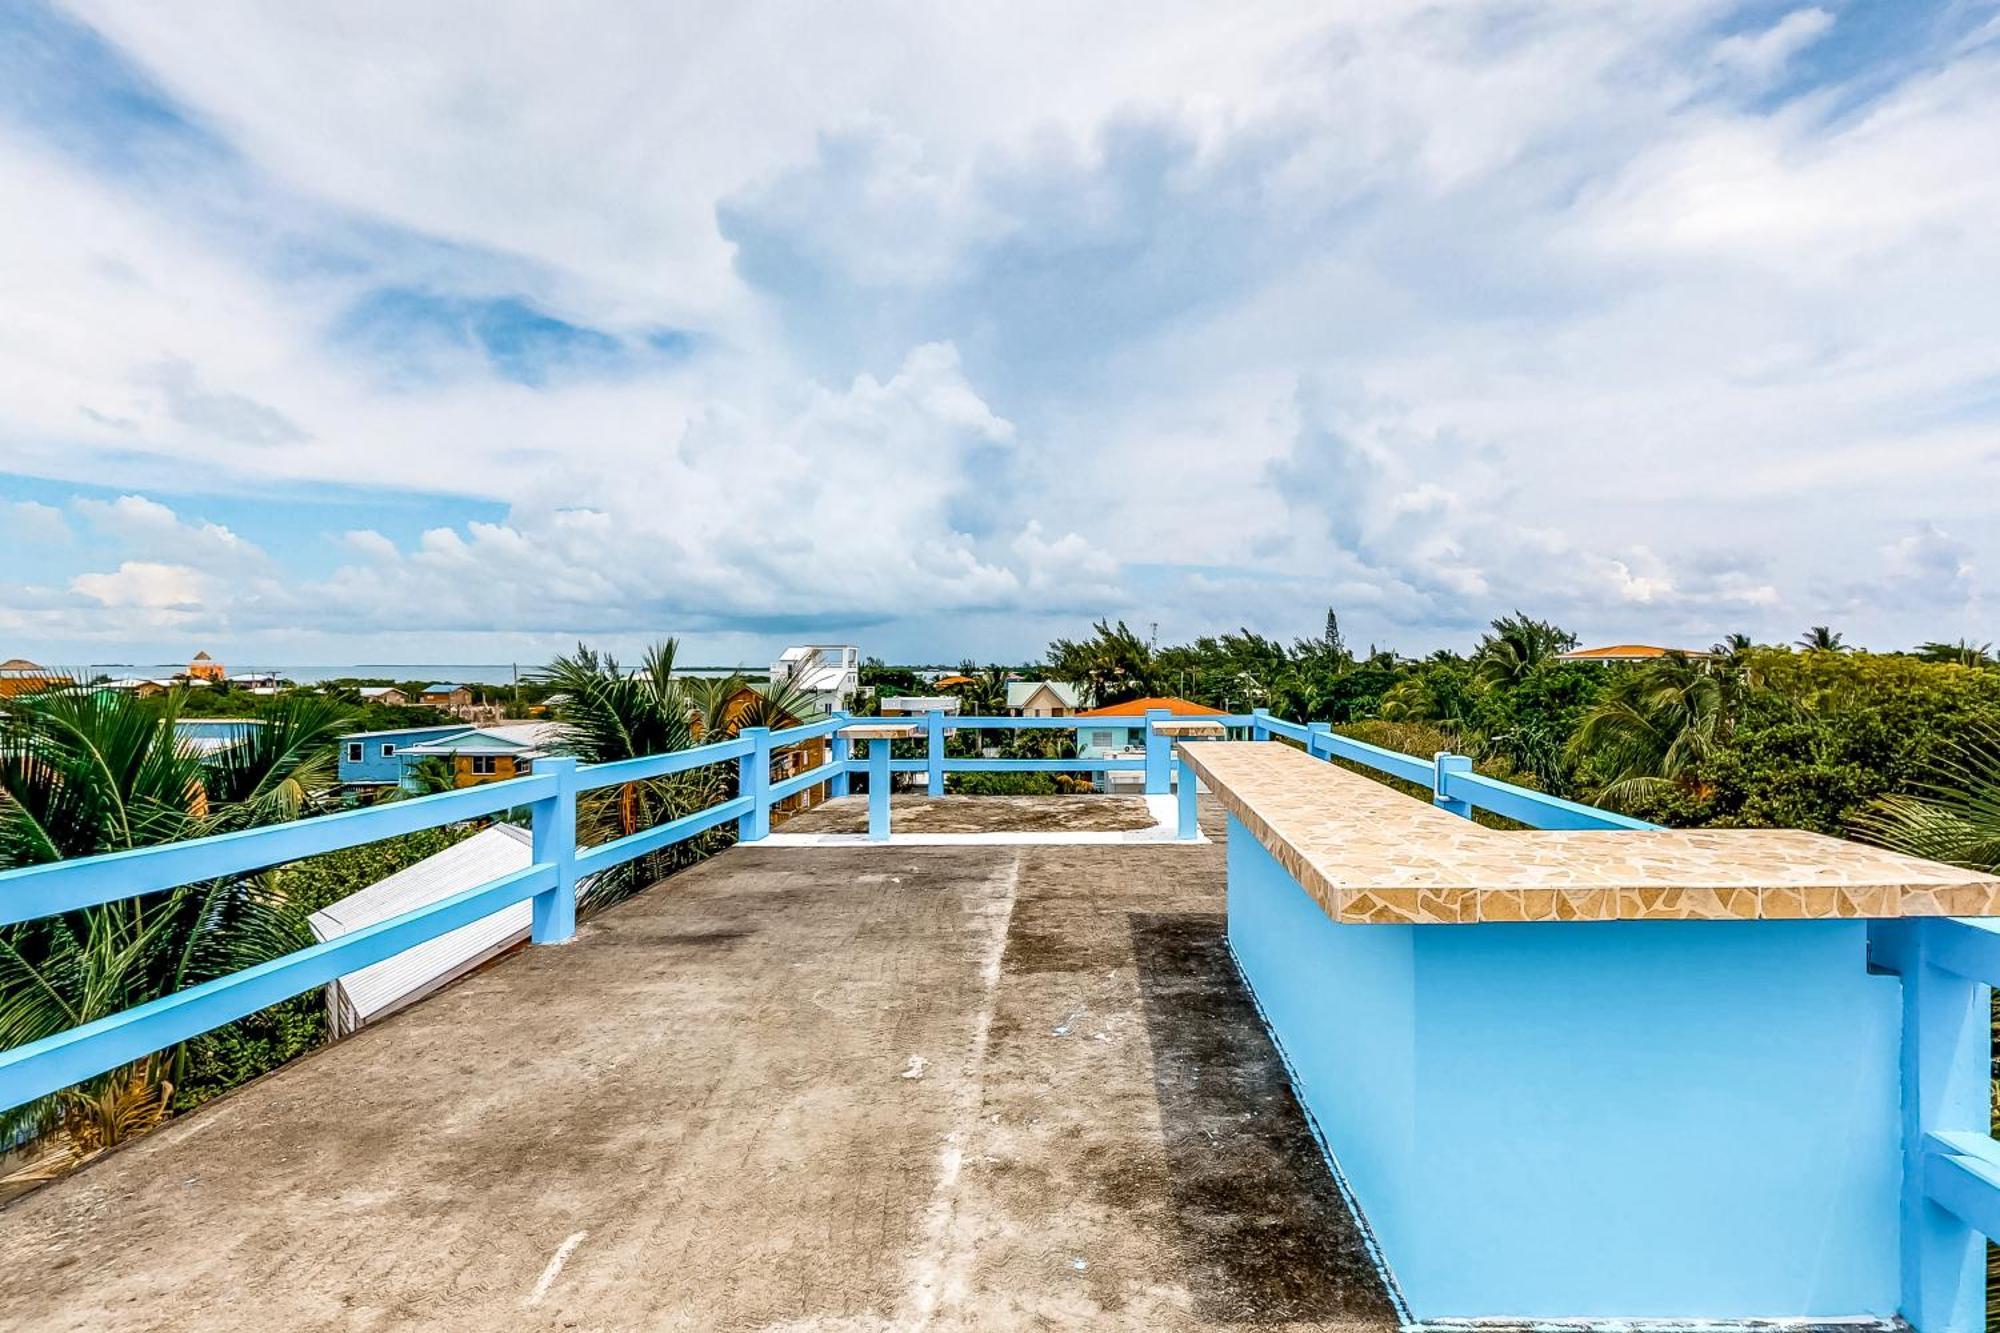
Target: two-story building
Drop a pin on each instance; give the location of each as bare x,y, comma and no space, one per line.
491,753
828,674
375,758
446,696
1040,698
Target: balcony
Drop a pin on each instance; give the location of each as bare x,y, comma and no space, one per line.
1308,1052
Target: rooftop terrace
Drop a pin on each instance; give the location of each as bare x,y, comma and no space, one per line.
1308,1051
983,1087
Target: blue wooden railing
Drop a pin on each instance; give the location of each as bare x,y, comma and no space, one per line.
550,794
1951,1162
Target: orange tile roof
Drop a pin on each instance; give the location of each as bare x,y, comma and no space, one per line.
947,682
1626,651
1139,707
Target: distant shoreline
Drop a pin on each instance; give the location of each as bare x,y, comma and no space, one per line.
455,673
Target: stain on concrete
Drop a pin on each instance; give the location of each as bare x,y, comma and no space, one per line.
1260,1220
703,1107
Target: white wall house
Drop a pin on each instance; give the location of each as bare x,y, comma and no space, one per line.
829,674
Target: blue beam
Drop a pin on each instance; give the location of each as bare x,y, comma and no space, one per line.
878,791
62,886
42,1067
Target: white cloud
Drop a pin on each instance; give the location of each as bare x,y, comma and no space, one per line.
1761,55
32,522
145,585
1161,310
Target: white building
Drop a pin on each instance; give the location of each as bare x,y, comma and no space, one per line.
829,674
912,705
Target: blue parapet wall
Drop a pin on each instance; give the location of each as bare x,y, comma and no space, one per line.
1641,1119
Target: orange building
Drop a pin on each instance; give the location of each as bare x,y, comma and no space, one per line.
19,676
207,668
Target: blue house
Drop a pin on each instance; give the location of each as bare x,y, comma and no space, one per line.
374,758
210,736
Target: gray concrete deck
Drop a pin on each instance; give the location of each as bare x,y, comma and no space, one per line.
793,1088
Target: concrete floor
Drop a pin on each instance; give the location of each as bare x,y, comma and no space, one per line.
922,1087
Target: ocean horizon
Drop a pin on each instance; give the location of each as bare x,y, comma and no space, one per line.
454,673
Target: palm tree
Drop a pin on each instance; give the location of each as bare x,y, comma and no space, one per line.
1516,646
1954,815
85,772
612,714
1111,666
1963,653
1820,639
429,776
1653,727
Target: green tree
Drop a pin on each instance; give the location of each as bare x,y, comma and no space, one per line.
1964,653
1111,666
84,773
1652,726
1820,639
1517,645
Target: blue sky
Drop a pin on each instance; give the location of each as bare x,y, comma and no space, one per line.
464,331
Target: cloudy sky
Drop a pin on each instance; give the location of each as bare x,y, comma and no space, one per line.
391,332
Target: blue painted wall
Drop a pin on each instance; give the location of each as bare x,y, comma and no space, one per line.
376,767
1643,1119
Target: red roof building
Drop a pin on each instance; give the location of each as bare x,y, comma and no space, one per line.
1140,707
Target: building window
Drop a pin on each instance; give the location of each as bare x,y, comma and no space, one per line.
1100,740
388,749
1055,712
484,765
354,752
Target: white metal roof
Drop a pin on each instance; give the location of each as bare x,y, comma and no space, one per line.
1019,692
382,988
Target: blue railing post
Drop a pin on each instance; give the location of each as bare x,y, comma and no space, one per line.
754,781
1946,1072
1447,764
1260,724
1159,753
842,754
934,756
1319,739
555,841
878,790
1186,788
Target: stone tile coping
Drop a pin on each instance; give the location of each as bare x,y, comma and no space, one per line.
1367,853
1193,728
882,731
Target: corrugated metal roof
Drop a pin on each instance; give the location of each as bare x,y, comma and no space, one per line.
1020,691
382,988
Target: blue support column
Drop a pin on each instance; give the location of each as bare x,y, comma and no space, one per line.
1159,754
842,754
754,781
1945,1088
555,841
934,756
878,790
1447,764
1186,787
1319,739
1260,724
